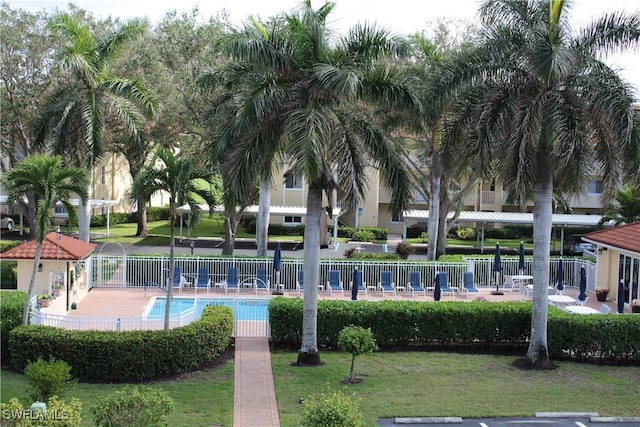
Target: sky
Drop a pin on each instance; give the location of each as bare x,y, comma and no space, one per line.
399,16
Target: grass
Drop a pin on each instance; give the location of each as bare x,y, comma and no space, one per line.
203,398
417,384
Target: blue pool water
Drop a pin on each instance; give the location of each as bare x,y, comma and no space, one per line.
251,309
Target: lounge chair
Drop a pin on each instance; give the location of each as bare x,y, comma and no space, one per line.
300,282
468,286
362,285
415,284
334,284
604,309
261,282
232,280
179,281
386,286
202,280
510,284
443,278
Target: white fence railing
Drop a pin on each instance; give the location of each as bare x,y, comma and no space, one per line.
251,318
140,271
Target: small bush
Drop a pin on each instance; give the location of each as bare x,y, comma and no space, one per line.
133,407
48,378
11,305
157,214
403,250
465,233
362,235
415,231
332,409
356,340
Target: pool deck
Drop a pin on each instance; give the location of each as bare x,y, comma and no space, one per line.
255,401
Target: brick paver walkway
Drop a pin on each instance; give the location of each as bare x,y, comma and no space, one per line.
254,396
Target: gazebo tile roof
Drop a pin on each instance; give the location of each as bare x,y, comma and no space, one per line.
55,246
626,237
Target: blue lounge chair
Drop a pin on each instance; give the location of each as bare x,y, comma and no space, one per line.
261,282
362,285
385,285
334,284
442,277
202,280
300,282
232,280
179,281
467,284
415,284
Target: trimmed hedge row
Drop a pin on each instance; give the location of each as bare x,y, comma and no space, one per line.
486,326
110,356
11,306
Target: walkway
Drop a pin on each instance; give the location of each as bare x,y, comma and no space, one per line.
254,394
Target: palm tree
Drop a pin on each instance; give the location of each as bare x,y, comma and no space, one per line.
546,109
178,176
71,121
304,98
46,181
627,207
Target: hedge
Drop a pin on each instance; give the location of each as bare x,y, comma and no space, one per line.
481,325
11,306
110,356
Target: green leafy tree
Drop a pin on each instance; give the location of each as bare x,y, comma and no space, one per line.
48,378
47,182
546,109
305,97
356,340
178,177
626,208
72,120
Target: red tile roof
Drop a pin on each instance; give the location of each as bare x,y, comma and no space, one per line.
625,237
55,246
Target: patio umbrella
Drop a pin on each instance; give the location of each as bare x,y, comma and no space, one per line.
277,264
583,284
521,260
437,291
560,284
497,268
621,296
355,284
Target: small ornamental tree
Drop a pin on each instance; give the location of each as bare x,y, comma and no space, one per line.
48,378
356,340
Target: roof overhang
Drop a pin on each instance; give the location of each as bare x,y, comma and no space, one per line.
508,217
253,209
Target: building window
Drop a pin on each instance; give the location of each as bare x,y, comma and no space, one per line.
292,220
396,217
594,187
60,209
292,181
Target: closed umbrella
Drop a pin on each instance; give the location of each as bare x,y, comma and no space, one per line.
560,285
437,291
582,296
277,264
497,268
355,284
521,260
621,296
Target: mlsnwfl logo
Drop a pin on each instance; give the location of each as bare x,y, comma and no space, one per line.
28,414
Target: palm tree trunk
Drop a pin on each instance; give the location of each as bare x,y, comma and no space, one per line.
308,354
434,210
538,352
84,220
262,226
172,261
141,218
32,283
230,225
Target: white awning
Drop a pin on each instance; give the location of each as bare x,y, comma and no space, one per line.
253,209
508,217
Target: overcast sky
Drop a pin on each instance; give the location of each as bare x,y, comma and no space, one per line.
401,16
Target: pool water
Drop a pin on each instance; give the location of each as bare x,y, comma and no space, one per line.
250,309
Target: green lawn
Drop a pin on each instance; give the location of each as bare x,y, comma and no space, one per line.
395,384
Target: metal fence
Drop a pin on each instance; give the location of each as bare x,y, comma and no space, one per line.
250,318
139,271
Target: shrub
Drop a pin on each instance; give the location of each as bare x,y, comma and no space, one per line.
157,214
5,245
114,218
59,414
48,378
384,256
133,407
415,230
356,340
465,233
363,235
403,250
332,409
11,305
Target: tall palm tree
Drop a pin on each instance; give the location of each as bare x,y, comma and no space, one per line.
178,176
626,208
304,97
71,121
546,109
47,181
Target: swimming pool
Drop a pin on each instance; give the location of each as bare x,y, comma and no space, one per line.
243,309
